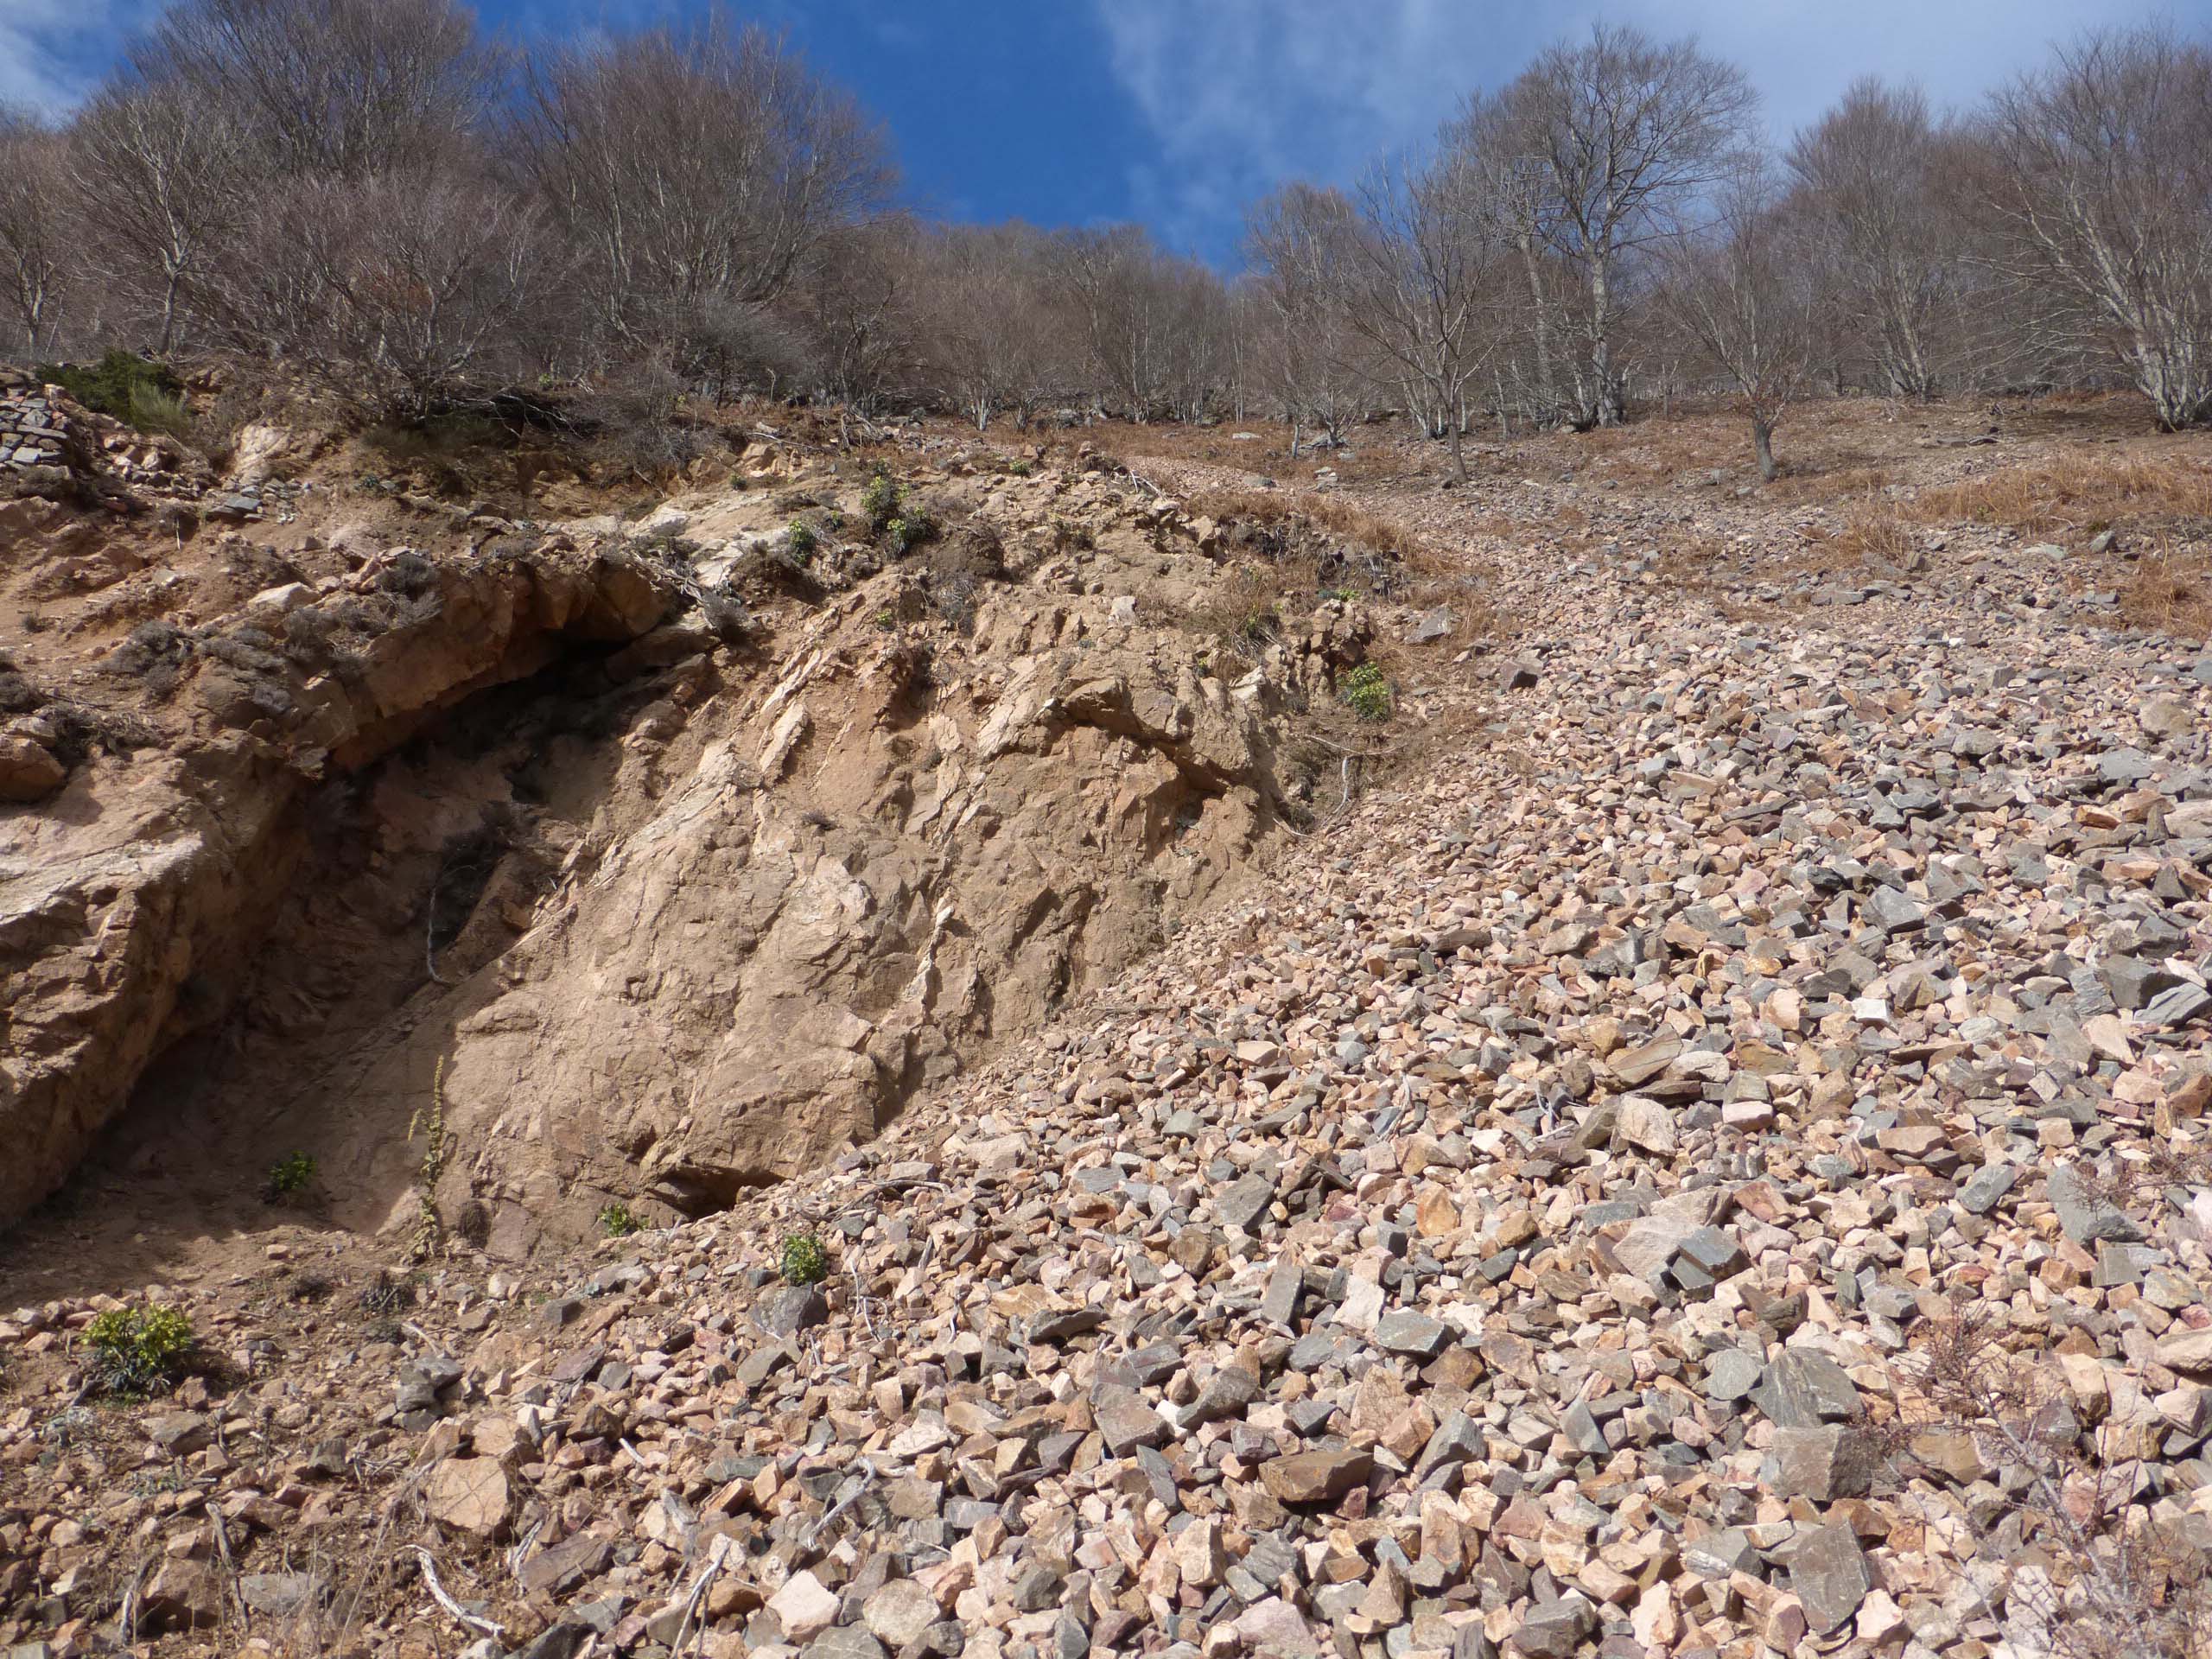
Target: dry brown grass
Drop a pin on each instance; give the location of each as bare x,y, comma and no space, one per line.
1330,514
2073,496
1875,533
2170,592
1247,610
1373,454
1656,447
2079,493
1805,488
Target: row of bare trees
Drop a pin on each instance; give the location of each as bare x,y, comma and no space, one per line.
1613,221
368,194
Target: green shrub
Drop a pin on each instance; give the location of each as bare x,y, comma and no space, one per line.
618,1220
910,529
805,1262
802,540
879,501
154,410
1019,468
289,1176
125,385
138,1350
1367,693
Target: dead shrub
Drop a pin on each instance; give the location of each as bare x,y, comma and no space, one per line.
156,652
1332,544
2093,1568
958,566
1813,486
1244,611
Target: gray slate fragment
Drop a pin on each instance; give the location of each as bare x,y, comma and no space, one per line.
1979,1192
1556,1630
2134,980
1279,1303
1245,1200
1407,1330
1830,1575
790,1310
1732,1374
2177,1007
1805,1389
1058,1324
1823,1464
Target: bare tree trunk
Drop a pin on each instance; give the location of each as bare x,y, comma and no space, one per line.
1543,325
1606,400
1763,441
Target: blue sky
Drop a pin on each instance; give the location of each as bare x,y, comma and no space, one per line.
1179,113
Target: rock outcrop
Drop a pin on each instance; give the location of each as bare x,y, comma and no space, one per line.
757,845
133,900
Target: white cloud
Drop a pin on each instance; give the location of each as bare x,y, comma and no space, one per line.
52,52
1241,94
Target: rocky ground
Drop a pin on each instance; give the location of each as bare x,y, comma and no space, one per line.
1707,1156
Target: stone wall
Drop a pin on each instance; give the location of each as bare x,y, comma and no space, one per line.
34,432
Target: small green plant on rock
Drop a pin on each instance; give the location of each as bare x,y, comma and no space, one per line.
1367,693
288,1178
135,1351
618,1220
879,502
805,1262
910,529
802,541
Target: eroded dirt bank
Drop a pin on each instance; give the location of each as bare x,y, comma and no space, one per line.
687,844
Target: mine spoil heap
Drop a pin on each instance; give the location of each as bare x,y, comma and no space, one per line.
1713,1166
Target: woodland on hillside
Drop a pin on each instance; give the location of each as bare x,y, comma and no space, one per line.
373,198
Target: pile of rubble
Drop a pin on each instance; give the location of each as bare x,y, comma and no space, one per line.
35,431
1715,1168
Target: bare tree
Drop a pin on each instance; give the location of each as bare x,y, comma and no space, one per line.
1429,241
424,275
681,167
1490,141
1300,242
2101,184
1197,362
1868,174
1620,138
1738,289
992,326
36,247
161,176
855,301
329,88
1146,313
